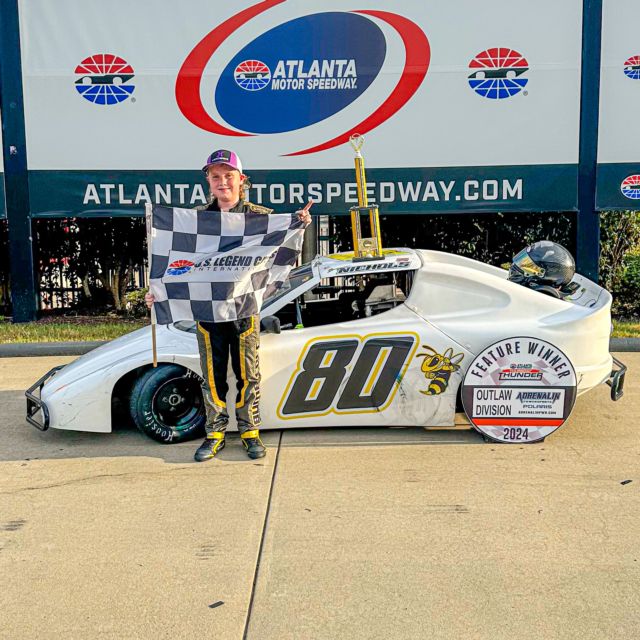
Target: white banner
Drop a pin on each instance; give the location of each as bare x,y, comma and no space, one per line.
158,85
619,129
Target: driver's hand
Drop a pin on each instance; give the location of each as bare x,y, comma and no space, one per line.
149,299
304,215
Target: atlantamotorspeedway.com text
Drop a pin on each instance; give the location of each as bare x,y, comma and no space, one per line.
297,193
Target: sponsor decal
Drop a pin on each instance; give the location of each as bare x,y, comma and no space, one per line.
437,369
519,390
630,187
497,73
205,264
300,72
632,68
104,79
520,372
179,267
233,262
373,266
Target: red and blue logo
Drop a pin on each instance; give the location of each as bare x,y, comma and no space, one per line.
300,73
252,75
104,79
179,267
630,187
496,73
632,68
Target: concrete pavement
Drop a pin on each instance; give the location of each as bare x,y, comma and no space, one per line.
344,533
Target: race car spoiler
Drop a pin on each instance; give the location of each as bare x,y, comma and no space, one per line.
616,379
35,404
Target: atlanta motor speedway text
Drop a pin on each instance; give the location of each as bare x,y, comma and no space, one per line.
295,193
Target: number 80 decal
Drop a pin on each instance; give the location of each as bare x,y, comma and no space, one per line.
347,374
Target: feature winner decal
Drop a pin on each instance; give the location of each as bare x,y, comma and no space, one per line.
519,390
347,374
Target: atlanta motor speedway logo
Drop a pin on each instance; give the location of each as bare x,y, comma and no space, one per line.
496,73
632,68
252,75
104,79
630,187
301,72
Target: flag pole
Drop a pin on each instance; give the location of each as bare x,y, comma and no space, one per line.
148,211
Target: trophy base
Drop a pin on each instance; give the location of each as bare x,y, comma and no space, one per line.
367,258
368,250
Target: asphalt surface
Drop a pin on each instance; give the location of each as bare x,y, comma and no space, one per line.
343,533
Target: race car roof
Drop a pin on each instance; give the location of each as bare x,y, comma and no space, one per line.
346,264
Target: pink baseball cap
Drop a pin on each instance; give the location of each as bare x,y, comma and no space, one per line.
223,156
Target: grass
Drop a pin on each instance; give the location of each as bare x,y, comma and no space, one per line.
75,329
626,329
102,328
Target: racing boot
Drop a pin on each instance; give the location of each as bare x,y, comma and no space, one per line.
252,444
213,444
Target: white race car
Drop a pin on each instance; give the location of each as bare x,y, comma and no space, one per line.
345,342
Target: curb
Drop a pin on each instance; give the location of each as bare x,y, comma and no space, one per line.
36,349
624,344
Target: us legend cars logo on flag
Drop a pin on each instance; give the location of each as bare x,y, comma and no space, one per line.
215,267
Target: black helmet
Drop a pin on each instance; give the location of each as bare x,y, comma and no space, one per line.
543,263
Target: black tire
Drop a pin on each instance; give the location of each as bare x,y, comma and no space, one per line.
166,404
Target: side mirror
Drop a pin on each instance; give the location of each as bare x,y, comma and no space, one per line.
270,324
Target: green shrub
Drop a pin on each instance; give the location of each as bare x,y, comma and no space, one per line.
135,304
620,260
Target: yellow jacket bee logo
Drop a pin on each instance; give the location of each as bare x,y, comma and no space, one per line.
438,368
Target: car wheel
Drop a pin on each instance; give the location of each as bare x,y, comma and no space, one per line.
166,404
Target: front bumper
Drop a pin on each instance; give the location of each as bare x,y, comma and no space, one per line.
35,404
616,379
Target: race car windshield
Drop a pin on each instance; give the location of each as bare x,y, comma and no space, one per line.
296,279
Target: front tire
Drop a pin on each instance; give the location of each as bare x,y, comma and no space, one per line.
166,404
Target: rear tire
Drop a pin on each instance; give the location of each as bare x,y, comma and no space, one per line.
166,404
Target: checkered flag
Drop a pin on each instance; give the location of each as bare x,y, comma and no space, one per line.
216,267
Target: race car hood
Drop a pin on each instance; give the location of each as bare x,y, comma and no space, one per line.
133,349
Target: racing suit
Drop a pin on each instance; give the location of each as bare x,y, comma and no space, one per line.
241,340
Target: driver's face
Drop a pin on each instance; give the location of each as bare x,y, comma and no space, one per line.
225,183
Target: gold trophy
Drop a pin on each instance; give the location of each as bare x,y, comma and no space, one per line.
364,248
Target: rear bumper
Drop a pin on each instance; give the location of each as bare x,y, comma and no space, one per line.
616,379
35,404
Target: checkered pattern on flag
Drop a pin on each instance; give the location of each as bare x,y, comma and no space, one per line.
215,267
